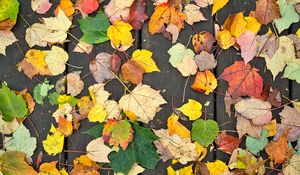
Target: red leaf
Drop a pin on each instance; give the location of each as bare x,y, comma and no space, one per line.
115,63
243,80
227,143
87,6
137,14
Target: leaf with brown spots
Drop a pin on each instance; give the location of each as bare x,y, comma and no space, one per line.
203,41
132,71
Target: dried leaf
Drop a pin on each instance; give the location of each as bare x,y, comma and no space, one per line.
54,143
248,44
133,71
266,11
245,126
40,6
98,151
100,67
175,127
74,84
227,143
203,41
6,38
193,14
137,15
205,61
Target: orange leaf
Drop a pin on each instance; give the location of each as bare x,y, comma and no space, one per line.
66,6
205,81
174,127
227,143
65,126
132,71
85,166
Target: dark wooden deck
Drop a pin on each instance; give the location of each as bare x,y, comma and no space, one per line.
169,79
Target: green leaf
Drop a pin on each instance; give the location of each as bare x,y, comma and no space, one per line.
178,52
21,141
11,105
63,99
94,28
40,91
205,131
255,145
9,9
95,131
53,98
292,71
140,150
288,15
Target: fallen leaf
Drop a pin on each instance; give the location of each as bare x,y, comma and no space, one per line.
182,171
205,60
144,58
268,44
35,34
193,14
290,116
255,145
291,166
205,131
65,126
116,12
293,134
178,52
40,6
117,133
119,35
245,126
271,128
258,111
83,165
34,63
175,147
175,127
205,81
74,84
49,169
98,151
40,91
266,11
192,109
6,38
137,15
243,80
98,94
227,143
203,3
112,110
56,60
66,6
8,127
100,68
217,167
249,46
252,165
22,141
87,6
133,71
225,39
279,151
292,70
174,31
203,41
187,67
14,162
288,15
143,101
54,143
97,113
115,63
201,169
217,5
8,14
83,47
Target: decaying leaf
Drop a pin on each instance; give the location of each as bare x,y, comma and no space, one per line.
216,167
137,15
245,126
193,14
205,60
100,67
40,6
83,165
266,11
203,41
133,71
74,84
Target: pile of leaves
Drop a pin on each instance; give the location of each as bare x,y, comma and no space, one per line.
122,137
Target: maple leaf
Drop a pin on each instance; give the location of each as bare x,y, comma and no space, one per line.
137,15
143,101
266,11
34,63
225,39
243,80
14,162
205,60
248,44
227,143
11,105
119,35
98,151
117,133
192,109
133,71
22,141
255,109
40,6
175,147
83,47
100,67
245,126
93,33
66,6
205,81
203,41
175,127
87,6
83,165
144,58
6,38
204,131
54,143
193,14
279,150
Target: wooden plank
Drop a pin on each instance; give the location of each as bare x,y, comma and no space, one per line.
225,59
42,115
169,80
79,140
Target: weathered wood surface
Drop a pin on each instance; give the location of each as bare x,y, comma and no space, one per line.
168,80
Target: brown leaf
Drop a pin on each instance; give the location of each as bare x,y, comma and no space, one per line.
28,99
245,126
201,169
268,44
279,150
74,84
203,41
7,24
76,119
115,63
205,60
296,43
100,67
132,71
137,14
290,116
253,167
266,11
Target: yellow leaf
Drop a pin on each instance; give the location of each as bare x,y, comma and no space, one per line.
252,24
84,160
201,151
65,126
119,34
98,94
216,168
271,128
183,171
225,39
56,60
85,105
218,4
239,25
131,115
174,127
144,58
49,169
296,105
66,6
97,114
63,171
298,32
192,109
54,143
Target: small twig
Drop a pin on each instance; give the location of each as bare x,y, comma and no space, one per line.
75,151
184,89
34,128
